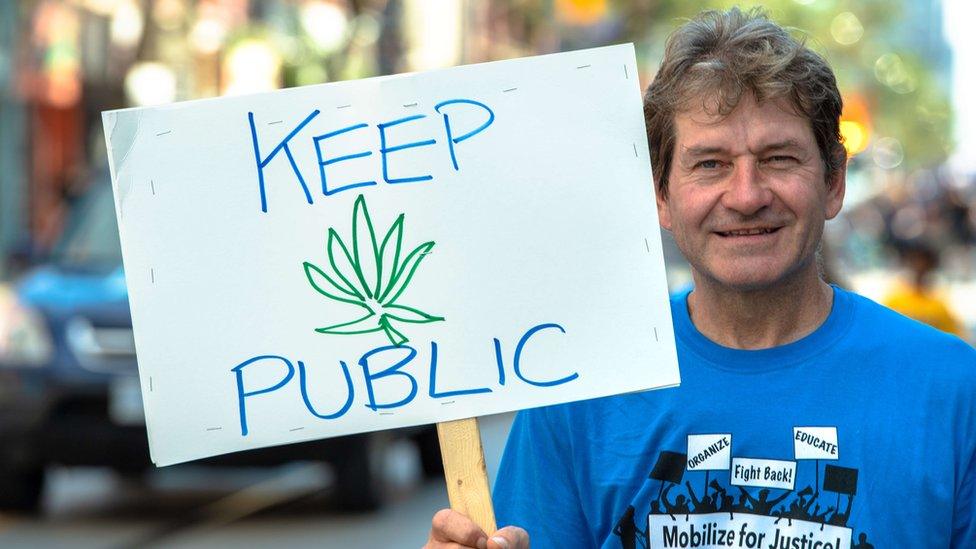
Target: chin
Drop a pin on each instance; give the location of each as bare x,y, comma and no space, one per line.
747,279
749,285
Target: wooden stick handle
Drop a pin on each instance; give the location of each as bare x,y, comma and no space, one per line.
464,471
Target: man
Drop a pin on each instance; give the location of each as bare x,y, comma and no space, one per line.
818,391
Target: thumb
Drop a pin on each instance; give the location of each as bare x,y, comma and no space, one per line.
509,537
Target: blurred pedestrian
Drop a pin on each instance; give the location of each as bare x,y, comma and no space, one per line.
915,295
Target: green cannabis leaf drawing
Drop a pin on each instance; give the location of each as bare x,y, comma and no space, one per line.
370,274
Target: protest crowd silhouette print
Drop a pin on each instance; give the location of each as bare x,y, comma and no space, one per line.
823,504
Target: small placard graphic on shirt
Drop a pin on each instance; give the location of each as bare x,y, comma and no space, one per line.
714,530
766,473
815,443
709,452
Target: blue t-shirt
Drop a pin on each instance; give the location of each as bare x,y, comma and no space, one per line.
861,434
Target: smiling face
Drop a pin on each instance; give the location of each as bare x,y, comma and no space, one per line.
748,195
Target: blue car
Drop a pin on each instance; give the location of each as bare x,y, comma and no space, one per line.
69,391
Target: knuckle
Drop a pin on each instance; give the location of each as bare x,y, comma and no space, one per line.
441,520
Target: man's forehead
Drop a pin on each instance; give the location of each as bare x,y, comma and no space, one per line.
770,124
713,106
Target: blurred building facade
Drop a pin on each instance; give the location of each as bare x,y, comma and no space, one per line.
13,181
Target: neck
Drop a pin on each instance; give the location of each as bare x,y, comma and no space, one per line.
921,280
760,318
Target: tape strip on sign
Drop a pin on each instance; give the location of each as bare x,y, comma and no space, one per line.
815,443
742,530
709,452
765,473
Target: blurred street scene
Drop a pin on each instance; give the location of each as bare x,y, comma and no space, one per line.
74,467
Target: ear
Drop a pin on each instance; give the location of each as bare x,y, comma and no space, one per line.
836,187
663,211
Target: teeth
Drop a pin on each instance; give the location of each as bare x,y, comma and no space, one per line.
748,232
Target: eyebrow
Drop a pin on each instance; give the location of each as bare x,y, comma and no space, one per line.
780,145
705,150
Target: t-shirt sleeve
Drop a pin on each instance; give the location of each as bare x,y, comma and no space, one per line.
536,486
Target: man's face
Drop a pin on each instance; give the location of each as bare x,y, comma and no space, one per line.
747,196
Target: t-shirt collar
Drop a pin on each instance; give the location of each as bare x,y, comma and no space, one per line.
726,358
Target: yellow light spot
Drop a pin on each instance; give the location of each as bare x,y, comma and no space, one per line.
855,136
581,12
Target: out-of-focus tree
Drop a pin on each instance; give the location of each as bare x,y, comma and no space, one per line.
898,96
894,81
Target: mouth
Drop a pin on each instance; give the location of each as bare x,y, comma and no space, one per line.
754,231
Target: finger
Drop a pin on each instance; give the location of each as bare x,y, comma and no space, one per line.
436,542
433,543
509,537
449,525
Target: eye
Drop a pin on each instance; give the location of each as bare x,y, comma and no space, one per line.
780,159
709,164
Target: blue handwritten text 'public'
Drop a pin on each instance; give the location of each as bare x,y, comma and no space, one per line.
388,145
377,365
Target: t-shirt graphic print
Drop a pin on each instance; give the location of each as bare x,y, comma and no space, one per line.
710,498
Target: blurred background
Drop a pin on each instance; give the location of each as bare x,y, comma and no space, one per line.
73,462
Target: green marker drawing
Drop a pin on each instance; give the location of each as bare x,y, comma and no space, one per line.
370,275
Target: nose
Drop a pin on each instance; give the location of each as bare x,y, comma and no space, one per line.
746,193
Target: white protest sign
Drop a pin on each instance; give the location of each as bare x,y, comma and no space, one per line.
396,251
709,452
715,530
766,473
815,443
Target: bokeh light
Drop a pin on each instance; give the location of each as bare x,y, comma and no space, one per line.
846,28
855,123
892,71
325,23
207,35
581,12
887,153
251,66
169,14
855,136
908,222
127,26
150,83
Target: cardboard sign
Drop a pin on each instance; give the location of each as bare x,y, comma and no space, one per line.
766,473
815,443
709,452
396,251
